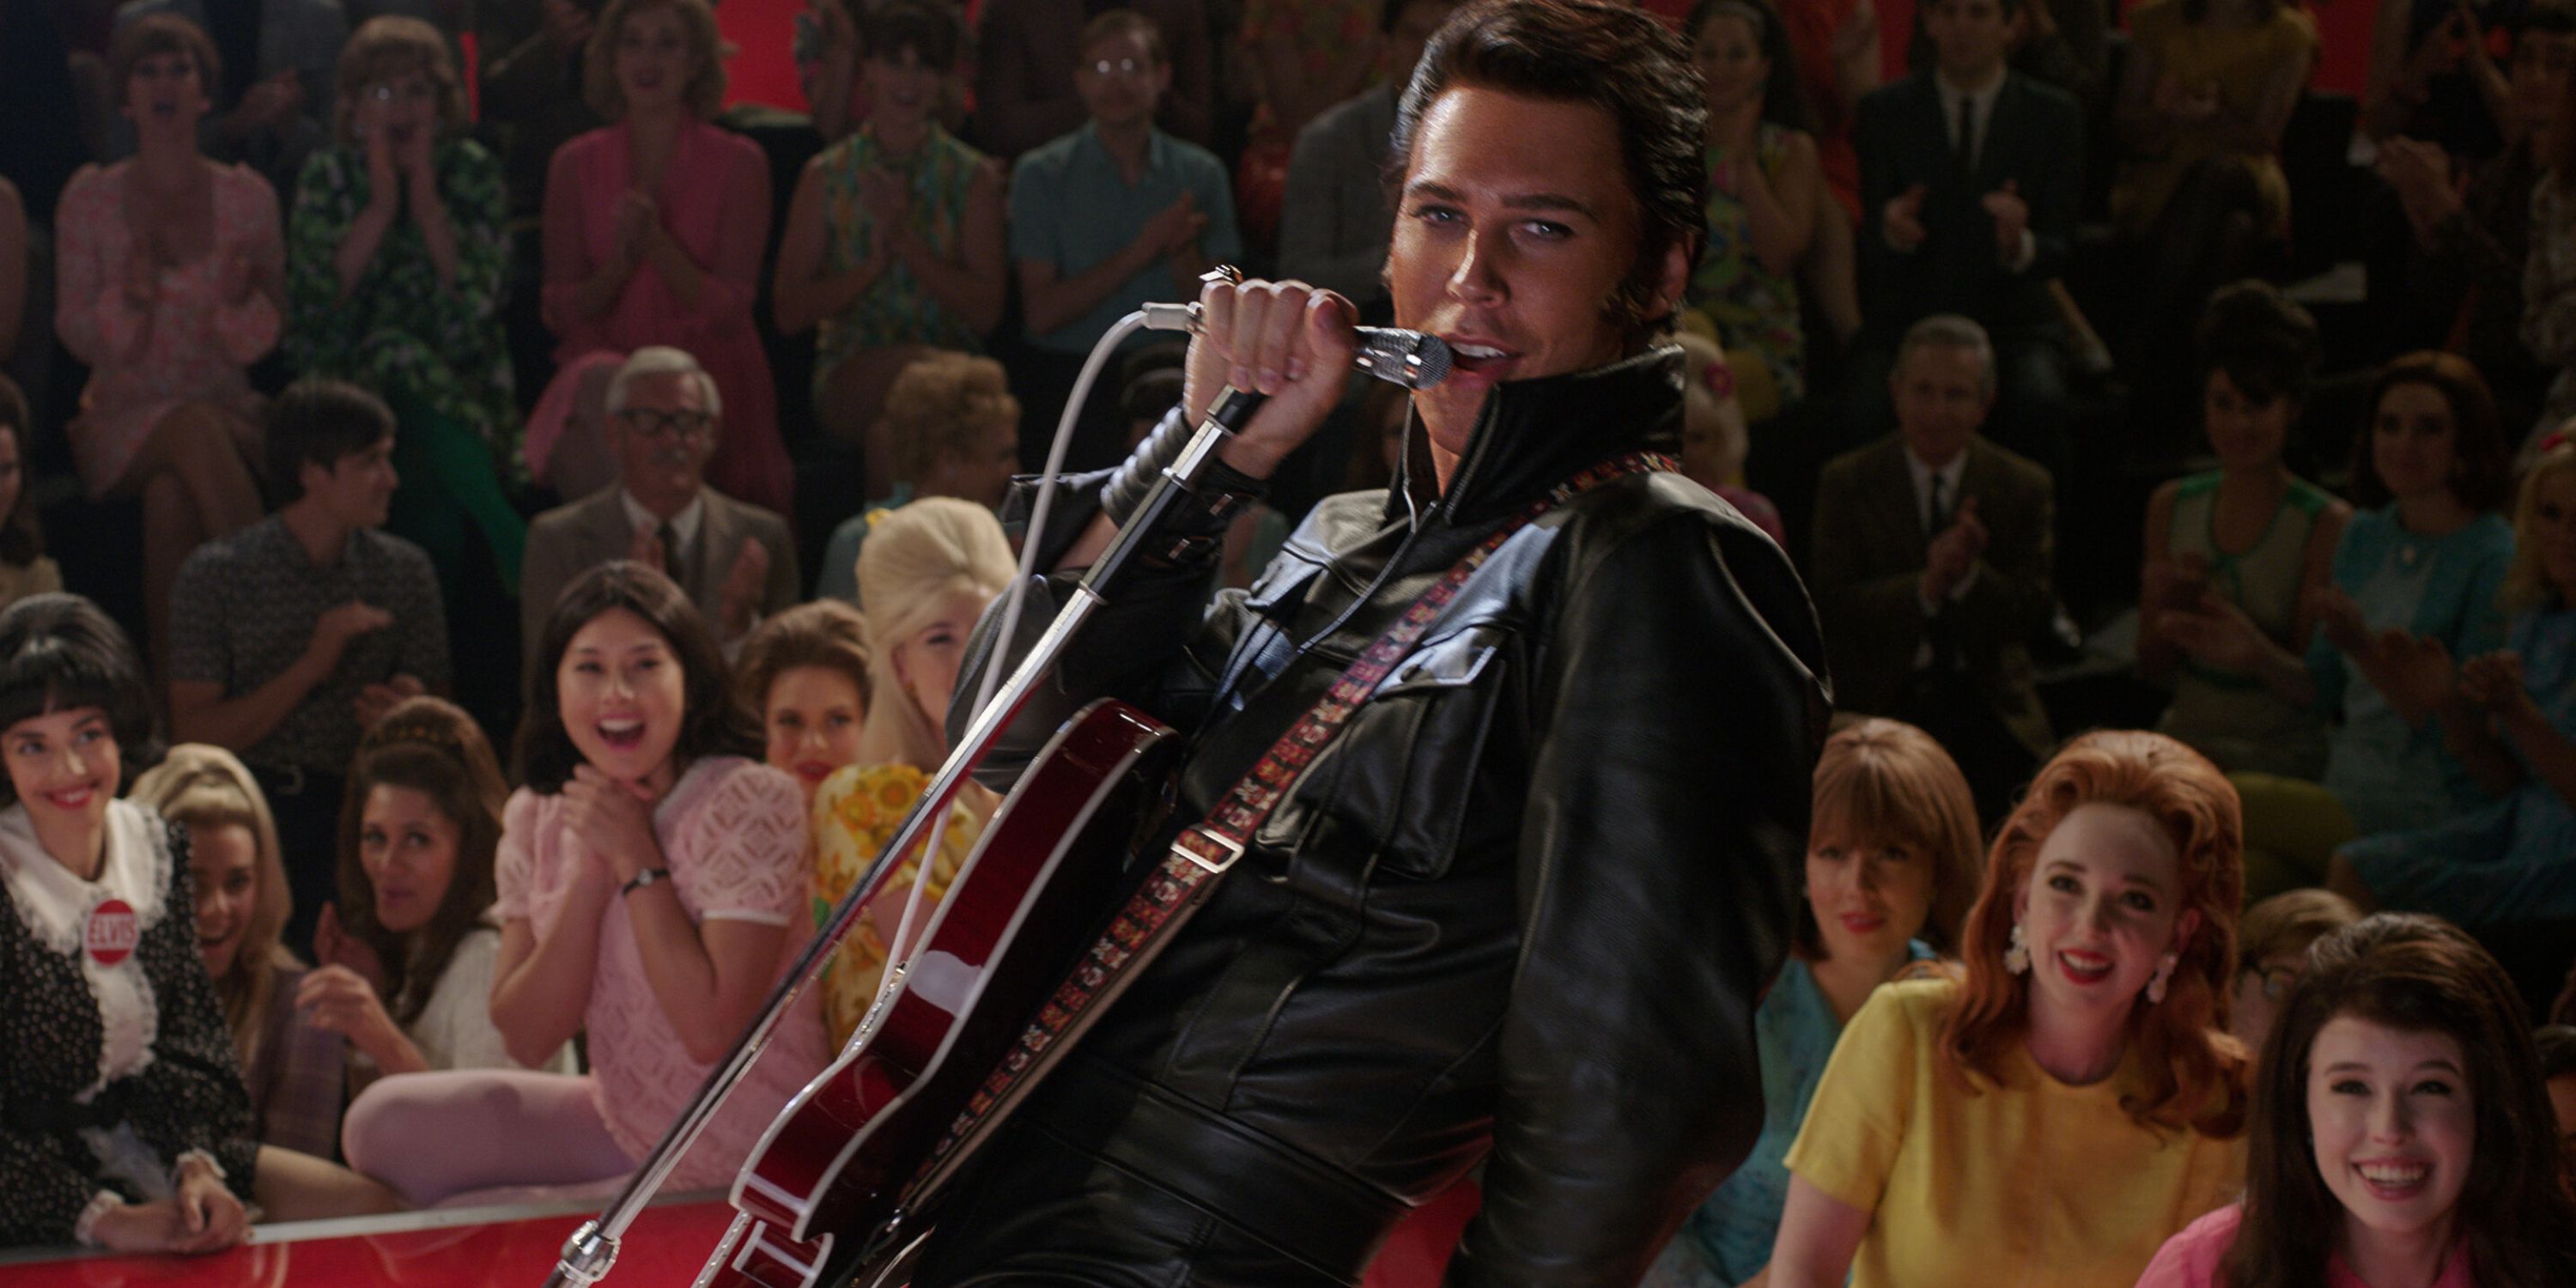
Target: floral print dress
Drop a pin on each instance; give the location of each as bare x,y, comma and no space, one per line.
856,811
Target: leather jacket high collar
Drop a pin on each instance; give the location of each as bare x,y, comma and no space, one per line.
1519,448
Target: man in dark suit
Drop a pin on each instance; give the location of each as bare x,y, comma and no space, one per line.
1931,566
1971,179
735,559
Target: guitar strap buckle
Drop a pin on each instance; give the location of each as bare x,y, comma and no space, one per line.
1183,848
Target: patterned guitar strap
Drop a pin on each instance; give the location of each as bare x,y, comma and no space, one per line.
1204,851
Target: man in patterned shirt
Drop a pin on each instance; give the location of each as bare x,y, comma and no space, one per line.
296,633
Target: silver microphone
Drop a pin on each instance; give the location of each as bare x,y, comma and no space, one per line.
1392,354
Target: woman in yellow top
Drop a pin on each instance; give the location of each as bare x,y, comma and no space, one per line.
2075,1100
925,574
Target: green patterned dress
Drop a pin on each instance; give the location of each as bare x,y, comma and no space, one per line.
898,309
1754,309
435,353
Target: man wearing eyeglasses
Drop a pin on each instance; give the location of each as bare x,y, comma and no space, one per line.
735,559
1104,219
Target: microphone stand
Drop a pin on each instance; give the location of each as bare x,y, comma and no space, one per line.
592,1249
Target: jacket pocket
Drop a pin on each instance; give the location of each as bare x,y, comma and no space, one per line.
1416,763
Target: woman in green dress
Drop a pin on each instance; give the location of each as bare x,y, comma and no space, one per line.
397,260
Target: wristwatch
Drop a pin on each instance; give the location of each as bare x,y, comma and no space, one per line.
644,878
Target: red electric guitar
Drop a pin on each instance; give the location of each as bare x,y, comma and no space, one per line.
841,1184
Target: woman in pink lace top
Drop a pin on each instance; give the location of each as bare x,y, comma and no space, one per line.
171,274
654,227
648,875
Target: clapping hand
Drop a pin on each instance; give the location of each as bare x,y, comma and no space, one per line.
2495,681
1954,552
2339,617
1902,219
143,269
334,629
375,700
743,584
634,219
234,281
885,198
1174,227
2012,219
384,169
2215,633
333,945
614,821
2414,672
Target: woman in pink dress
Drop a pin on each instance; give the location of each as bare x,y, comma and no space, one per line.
648,875
171,275
654,228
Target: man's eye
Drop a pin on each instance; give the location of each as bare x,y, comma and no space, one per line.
1549,229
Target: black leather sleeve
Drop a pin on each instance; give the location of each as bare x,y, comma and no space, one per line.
1134,644
1682,708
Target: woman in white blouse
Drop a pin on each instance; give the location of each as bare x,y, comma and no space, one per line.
410,949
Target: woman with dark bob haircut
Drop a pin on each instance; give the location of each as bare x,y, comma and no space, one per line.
2400,1131
648,875
128,1127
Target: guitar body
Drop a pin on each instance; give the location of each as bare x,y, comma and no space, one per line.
838,1179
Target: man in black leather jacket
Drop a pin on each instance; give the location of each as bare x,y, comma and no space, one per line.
1520,914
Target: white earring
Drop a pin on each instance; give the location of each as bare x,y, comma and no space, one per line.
2017,955
2164,973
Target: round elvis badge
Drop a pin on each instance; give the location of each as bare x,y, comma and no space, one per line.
112,933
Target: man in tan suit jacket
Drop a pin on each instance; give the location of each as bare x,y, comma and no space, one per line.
736,560
1931,565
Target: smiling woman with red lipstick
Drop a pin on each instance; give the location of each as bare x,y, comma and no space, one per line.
648,874
2401,1132
127,1126
2056,1115
806,672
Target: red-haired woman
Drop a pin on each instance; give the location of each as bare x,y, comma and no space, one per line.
2076,1099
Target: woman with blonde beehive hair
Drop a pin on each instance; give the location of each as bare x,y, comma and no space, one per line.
925,574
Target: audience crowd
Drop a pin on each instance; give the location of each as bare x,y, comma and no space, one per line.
454,402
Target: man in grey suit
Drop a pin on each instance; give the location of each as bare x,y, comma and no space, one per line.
1336,221
735,560
1931,566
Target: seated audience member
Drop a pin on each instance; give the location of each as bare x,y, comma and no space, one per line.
295,1071
1297,57
2083,1051
401,255
1892,864
926,577
2557,1044
408,953
2430,76
1104,219
298,632
1335,221
1713,433
531,69
1930,566
2399,1131
24,568
1971,176
1026,93
649,872
2272,953
805,673
2063,42
167,284
2464,269
272,101
2510,717
950,428
893,246
127,1126
1764,186
2204,97
2237,556
735,561
655,225
2418,569
2549,272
